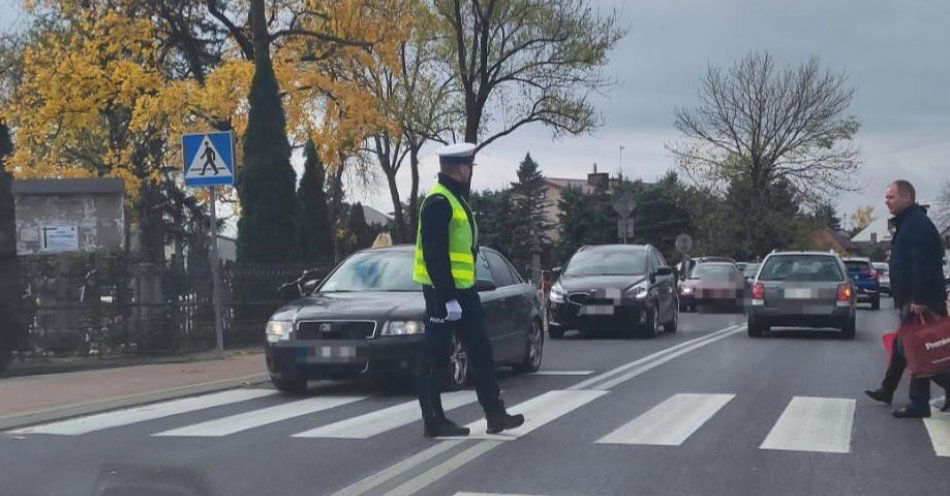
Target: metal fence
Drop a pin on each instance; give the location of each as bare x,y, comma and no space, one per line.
113,306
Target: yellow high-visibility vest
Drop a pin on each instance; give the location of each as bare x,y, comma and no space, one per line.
463,235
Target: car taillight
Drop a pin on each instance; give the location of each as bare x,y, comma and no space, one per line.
873,274
844,293
758,291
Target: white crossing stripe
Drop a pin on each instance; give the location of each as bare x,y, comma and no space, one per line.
491,494
577,373
375,423
938,427
538,411
127,416
813,424
256,418
670,423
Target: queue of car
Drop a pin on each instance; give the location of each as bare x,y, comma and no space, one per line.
366,318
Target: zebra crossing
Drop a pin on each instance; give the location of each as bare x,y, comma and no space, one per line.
807,424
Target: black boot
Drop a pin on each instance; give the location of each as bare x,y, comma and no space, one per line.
499,420
912,412
443,427
883,395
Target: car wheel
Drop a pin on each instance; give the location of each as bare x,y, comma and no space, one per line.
876,303
849,329
673,324
535,350
754,328
295,385
555,332
458,364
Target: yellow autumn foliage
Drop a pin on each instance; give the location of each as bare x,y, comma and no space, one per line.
94,99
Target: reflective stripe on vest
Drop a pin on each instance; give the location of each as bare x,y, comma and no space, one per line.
461,243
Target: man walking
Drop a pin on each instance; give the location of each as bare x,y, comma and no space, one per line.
446,248
917,287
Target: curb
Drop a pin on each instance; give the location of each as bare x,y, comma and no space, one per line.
75,410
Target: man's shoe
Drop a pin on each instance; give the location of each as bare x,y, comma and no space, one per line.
881,394
912,412
444,428
501,421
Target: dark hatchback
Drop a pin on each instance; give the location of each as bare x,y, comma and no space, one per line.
367,318
614,288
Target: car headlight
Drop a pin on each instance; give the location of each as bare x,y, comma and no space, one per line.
278,330
403,328
557,293
686,290
640,290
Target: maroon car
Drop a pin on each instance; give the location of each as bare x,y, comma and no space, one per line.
713,284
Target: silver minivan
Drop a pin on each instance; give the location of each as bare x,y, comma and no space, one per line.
802,289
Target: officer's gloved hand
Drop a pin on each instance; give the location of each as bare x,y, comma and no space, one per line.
453,311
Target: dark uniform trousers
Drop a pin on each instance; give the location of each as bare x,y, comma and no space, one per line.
919,386
437,348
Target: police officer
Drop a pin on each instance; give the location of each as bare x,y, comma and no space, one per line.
446,247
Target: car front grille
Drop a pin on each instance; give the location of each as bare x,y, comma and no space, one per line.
335,329
579,298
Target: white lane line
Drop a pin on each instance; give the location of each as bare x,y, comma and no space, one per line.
375,423
670,423
397,469
578,373
256,418
537,411
664,359
423,480
127,416
623,368
938,428
813,424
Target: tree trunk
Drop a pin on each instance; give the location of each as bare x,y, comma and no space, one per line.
399,220
414,190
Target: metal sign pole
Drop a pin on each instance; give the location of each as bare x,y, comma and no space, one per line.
215,285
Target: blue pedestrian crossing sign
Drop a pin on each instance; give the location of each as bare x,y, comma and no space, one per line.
209,158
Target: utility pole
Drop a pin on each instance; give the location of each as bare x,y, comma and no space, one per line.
620,162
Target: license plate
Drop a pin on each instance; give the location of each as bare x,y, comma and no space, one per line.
598,310
799,294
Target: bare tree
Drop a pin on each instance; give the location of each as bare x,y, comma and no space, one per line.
763,124
942,210
523,61
417,98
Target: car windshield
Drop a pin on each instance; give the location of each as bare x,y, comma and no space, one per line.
592,263
713,271
751,269
857,266
803,268
881,267
373,271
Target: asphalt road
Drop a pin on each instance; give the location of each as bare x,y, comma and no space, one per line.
705,411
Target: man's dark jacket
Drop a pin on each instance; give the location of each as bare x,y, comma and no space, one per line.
916,257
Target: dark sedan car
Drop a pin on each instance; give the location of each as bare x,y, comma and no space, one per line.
367,318
625,288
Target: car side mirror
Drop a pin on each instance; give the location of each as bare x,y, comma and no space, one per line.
309,286
557,271
664,271
482,285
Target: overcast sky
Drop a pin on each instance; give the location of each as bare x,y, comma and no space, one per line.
894,52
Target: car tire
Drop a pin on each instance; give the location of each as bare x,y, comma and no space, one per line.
459,366
754,328
876,303
295,385
555,332
673,324
849,330
534,352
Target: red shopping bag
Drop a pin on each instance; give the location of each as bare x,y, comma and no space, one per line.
887,340
926,344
